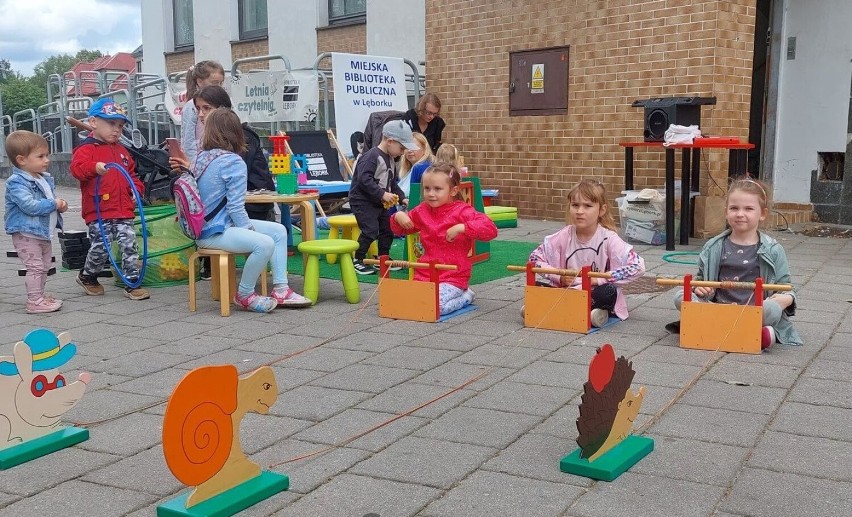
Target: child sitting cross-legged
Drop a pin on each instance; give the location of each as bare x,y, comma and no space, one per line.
590,240
447,228
742,254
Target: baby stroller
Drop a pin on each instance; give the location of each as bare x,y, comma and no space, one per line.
152,163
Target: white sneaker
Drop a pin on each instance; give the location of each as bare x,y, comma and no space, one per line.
290,298
469,296
599,317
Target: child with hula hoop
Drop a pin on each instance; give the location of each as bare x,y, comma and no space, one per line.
116,200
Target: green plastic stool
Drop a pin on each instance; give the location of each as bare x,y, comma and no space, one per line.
343,249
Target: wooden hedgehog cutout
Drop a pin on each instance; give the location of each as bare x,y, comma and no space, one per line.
201,438
608,409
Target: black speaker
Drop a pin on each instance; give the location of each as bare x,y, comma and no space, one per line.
660,113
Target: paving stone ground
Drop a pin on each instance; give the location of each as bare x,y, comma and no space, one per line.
753,435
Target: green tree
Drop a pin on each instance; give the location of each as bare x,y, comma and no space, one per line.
5,70
59,64
20,94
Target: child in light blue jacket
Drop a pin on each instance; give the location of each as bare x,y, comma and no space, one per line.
221,174
32,212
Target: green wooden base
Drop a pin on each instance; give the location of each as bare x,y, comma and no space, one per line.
229,502
613,463
41,446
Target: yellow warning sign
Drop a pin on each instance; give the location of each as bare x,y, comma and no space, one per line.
537,83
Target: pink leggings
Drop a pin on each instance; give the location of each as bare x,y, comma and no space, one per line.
35,254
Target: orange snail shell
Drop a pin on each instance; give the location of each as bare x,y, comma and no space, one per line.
197,426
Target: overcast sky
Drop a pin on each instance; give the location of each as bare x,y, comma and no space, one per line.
33,30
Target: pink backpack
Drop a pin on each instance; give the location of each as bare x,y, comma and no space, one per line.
191,214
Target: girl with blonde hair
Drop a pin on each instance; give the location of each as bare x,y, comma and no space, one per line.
419,159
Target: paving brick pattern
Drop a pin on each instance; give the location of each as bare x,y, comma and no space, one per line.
754,435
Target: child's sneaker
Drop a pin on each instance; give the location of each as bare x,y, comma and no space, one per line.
767,337
289,298
599,317
363,269
136,293
90,284
43,305
469,296
256,303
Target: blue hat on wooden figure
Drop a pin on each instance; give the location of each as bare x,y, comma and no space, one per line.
48,352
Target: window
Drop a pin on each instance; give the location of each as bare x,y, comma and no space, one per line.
184,35
253,20
346,10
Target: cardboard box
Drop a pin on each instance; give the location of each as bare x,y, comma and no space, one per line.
709,216
638,231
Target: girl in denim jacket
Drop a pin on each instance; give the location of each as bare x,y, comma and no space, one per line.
32,212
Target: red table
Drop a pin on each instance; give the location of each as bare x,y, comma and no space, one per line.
690,169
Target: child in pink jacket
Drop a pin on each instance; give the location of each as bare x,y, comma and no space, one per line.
447,227
590,240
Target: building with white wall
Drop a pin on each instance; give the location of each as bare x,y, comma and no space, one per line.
178,33
802,119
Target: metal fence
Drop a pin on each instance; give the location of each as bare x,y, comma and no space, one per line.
144,97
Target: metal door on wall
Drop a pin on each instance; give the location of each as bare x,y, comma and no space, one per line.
538,82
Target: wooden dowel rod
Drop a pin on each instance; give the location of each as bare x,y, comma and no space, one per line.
724,285
560,272
413,265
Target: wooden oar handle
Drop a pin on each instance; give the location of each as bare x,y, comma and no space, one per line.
79,124
725,285
413,265
560,272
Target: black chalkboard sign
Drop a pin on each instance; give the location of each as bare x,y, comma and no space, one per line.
322,158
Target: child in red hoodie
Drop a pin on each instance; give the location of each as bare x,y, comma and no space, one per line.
117,202
447,227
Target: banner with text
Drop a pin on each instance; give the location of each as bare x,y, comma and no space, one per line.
175,98
363,85
276,95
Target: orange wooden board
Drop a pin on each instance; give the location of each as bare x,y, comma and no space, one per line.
551,308
728,328
408,300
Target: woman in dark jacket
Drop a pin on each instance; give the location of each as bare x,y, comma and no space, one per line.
259,176
425,119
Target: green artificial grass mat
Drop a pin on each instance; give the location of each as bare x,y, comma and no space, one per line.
503,253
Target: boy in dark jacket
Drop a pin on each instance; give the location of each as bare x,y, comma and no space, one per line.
375,190
117,202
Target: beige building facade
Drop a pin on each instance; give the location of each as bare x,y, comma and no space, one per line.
619,51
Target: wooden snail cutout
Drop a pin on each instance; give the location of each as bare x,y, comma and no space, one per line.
201,441
408,299
718,326
608,410
562,309
34,395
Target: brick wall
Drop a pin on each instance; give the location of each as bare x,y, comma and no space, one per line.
620,51
253,48
350,39
179,61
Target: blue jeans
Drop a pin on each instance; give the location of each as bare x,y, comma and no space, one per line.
268,241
